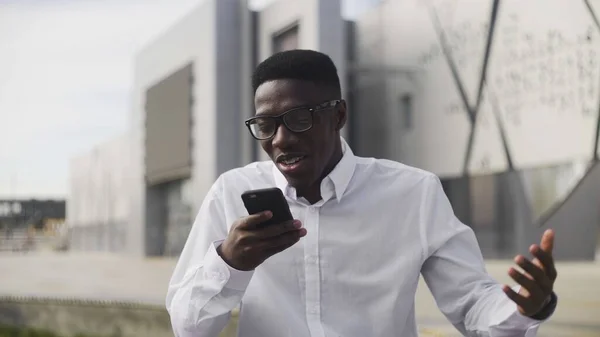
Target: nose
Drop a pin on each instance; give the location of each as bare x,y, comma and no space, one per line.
283,137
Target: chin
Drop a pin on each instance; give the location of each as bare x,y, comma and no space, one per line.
295,182
299,183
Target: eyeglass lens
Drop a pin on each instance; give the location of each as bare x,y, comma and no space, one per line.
297,120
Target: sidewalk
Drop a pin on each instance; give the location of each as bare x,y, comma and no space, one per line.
118,278
577,314
85,276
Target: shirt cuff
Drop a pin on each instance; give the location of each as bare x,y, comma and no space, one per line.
508,315
217,269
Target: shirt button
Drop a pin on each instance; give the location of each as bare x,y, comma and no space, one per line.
219,276
311,259
314,309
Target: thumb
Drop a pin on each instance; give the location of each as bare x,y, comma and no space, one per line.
547,243
253,220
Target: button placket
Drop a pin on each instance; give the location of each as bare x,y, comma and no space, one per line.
312,272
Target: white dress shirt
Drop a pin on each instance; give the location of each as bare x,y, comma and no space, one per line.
379,225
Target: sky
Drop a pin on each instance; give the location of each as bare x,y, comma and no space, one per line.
66,71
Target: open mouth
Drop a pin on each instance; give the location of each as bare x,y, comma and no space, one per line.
290,162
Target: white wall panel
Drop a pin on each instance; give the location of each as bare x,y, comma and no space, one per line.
541,90
97,183
321,28
98,204
545,70
208,37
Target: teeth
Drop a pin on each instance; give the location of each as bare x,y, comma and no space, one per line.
291,160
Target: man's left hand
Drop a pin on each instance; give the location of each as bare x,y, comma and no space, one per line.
538,280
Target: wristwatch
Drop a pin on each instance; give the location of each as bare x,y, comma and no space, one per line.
547,309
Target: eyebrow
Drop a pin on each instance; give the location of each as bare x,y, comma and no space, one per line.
268,113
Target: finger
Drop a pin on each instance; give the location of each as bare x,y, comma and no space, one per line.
547,243
538,274
520,300
530,285
546,260
283,242
278,249
253,220
277,229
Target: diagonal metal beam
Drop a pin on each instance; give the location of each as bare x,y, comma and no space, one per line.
592,13
472,110
450,60
597,138
488,50
596,156
484,67
496,112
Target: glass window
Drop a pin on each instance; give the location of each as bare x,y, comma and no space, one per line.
406,111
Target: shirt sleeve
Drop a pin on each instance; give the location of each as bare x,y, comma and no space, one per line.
204,289
455,273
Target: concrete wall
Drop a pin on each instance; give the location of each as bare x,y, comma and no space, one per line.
208,37
321,27
97,204
576,220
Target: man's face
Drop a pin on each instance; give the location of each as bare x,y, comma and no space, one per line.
302,157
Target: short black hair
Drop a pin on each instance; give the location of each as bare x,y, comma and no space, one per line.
298,64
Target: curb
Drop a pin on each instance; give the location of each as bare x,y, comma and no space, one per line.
79,302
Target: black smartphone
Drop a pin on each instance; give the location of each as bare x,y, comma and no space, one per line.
268,199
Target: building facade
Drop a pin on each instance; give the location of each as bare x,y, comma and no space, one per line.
98,207
503,108
498,99
39,214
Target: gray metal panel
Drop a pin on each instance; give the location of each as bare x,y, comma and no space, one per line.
168,129
248,26
228,112
576,220
155,227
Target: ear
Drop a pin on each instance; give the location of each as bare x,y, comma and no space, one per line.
341,115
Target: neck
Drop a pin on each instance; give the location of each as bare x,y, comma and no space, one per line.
313,193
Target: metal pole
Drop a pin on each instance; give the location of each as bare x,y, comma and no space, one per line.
247,66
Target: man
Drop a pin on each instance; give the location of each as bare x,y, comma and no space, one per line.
365,230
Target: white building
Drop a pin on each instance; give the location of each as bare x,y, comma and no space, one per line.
503,107
98,206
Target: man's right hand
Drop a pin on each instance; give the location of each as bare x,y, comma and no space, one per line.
248,244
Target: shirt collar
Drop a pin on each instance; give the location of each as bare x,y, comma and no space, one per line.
333,185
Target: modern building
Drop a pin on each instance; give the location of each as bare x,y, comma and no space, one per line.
98,207
199,72
18,213
502,107
501,102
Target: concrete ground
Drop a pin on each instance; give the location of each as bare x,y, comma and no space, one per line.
577,314
110,277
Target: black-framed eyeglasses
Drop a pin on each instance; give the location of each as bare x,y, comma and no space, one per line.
297,120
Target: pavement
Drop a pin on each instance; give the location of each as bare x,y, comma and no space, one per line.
121,278
577,314
99,276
